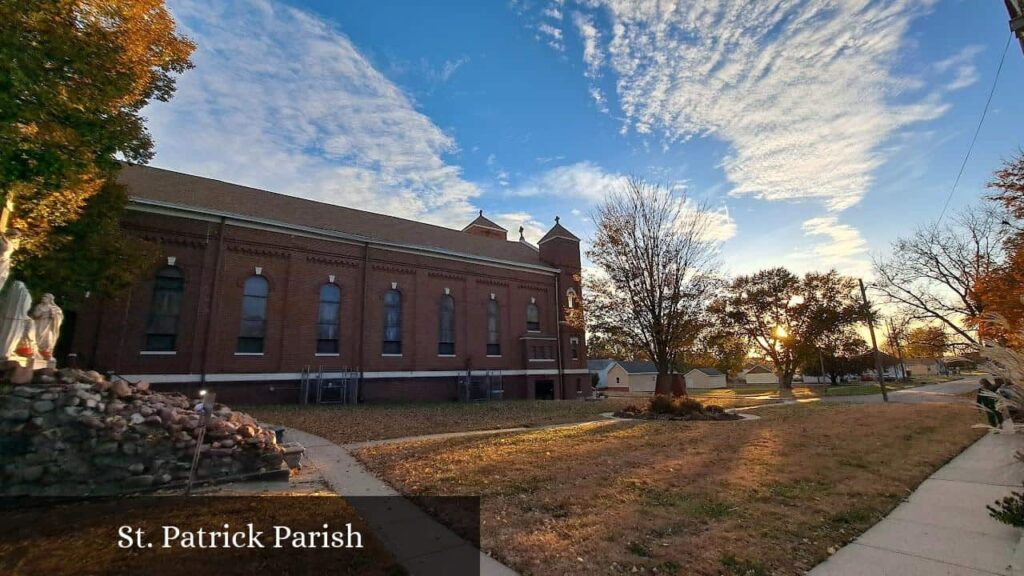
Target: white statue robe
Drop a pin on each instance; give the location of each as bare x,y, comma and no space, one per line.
15,323
47,317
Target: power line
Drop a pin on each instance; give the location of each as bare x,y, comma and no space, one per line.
977,130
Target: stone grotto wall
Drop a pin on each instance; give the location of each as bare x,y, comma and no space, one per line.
69,432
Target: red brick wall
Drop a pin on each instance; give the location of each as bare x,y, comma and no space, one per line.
110,334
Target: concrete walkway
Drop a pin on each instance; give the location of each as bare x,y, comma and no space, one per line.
943,527
943,392
417,541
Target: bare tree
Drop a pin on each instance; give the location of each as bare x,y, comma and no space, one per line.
933,274
657,271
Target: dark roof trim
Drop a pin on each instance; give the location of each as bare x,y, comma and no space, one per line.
156,206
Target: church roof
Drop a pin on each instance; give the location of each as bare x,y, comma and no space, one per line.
169,189
483,222
558,231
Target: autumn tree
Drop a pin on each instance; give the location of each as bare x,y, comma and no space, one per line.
787,317
89,255
933,274
929,341
75,77
839,351
717,347
657,271
1002,288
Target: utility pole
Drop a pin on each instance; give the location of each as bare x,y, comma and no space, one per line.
1016,10
874,343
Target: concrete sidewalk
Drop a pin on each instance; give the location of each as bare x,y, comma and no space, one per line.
943,527
417,541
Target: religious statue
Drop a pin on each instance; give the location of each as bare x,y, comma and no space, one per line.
48,317
17,330
9,241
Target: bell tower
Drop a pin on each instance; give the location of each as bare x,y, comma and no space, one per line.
560,248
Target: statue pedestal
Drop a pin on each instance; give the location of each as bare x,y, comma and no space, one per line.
36,363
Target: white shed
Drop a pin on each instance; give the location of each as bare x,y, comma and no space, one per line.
643,376
759,374
705,378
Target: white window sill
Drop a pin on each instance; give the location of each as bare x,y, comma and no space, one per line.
494,356
541,360
158,353
446,356
327,354
248,353
533,331
391,355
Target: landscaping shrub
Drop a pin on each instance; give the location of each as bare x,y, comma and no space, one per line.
661,404
686,406
663,407
1009,510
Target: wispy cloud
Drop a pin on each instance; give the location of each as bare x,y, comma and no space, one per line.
533,230
844,248
804,92
553,35
590,184
281,99
583,181
962,66
801,90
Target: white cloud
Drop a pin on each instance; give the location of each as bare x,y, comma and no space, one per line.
450,66
533,230
961,64
553,12
592,55
801,89
552,34
282,100
583,180
844,249
591,184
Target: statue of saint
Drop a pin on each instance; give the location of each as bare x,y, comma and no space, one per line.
17,330
9,241
48,317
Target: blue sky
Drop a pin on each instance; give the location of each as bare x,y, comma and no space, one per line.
818,130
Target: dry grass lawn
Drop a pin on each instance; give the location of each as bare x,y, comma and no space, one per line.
763,497
348,424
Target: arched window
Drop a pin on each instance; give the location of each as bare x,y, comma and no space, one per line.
446,326
328,319
162,328
571,298
493,328
392,322
532,318
254,316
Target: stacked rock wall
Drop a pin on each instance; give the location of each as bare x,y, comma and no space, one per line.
70,432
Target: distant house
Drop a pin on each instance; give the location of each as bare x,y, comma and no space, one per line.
600,367
924,367
642,376
705,378
759,374
624,378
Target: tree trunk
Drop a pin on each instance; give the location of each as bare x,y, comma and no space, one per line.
678,385
786,381
663,384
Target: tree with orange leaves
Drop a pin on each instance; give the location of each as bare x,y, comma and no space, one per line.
1003,287
74,78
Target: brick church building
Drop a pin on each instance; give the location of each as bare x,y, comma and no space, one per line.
263,297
